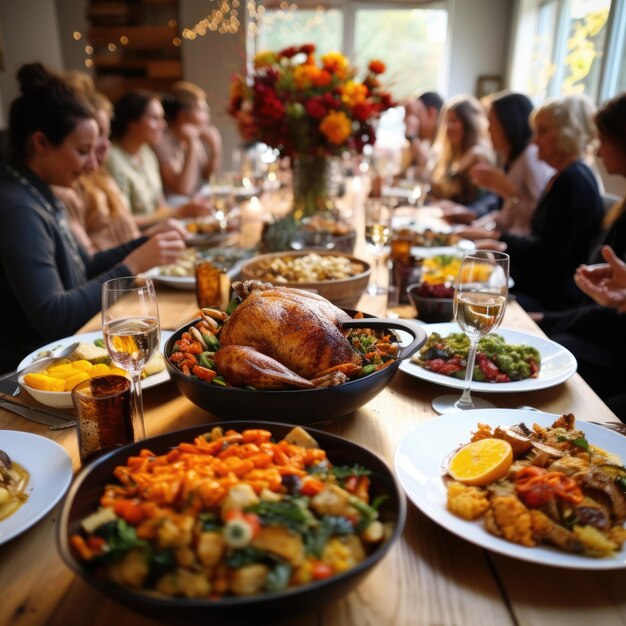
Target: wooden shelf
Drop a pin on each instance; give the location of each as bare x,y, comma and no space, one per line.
148,59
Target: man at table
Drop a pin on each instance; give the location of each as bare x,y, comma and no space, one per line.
421,119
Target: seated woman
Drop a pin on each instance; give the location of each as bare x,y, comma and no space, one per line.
138,124
462,142
50,286
568,217
522,178
99,215
596,332
190,149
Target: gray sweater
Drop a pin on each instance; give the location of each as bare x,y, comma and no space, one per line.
47,290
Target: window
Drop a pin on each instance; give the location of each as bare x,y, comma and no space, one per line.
402,36
570,48
413,40
287,28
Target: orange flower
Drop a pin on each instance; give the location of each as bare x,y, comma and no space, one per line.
353,93
336,64
303,75
336,127
376,66
321,79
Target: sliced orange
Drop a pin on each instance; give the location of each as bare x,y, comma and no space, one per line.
481,462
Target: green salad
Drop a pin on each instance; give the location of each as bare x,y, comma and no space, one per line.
496,361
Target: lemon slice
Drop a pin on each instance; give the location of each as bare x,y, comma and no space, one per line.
481,462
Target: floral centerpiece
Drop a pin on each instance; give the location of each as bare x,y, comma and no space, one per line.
309,111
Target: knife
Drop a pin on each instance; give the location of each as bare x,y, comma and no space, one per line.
49,418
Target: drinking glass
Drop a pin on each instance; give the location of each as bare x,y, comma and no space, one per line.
130,324
480,297
377,236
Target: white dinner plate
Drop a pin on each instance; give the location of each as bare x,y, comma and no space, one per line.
146,383
557,363
419,465
177,282
50,472
188,282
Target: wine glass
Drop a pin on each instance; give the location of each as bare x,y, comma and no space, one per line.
480,297
130,324
377,236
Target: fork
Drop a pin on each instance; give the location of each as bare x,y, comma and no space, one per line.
618,427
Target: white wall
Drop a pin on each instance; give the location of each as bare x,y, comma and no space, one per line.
30,33
479,38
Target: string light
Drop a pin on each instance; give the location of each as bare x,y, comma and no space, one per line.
224,18
76,35
123,40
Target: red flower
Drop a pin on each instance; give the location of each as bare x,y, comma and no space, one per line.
289,52
308,48
377,67
315,107
330,101
272,108
362,111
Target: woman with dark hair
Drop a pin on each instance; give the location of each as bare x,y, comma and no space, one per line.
596,332
522,177
190,149
138,125
461,143
50,286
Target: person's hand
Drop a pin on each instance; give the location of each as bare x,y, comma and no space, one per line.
605,283
160,249
490,244
492,178
166,226
189,133
474,233
455,213
211,135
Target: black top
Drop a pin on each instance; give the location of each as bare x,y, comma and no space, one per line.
50,286
596,334
564,227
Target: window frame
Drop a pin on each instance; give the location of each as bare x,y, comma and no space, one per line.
349,9
613,60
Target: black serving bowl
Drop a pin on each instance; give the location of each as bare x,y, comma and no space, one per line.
431,310
296,406
83,499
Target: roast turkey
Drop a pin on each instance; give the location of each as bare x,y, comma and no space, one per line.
290,336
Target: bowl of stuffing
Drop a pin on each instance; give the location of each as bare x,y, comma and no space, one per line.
286,355
299,530
336,276
432,301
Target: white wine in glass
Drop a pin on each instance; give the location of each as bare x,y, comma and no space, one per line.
480,298
130,325
377,236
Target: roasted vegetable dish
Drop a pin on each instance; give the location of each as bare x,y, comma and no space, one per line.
279,338
496,361
13,482
544,486
231,514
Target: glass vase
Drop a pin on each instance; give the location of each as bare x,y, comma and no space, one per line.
311,179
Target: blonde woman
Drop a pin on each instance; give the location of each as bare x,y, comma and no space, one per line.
568,218
462,142
190,149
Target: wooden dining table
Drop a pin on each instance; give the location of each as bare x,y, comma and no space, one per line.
429,577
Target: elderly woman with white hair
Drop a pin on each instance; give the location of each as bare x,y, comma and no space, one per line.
568,217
